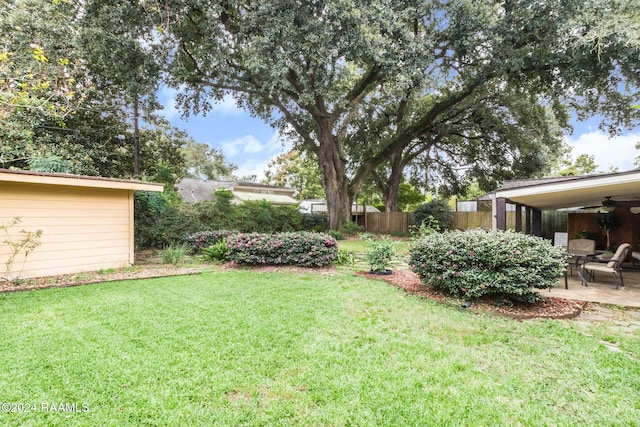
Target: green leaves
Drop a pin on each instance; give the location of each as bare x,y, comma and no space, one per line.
475,263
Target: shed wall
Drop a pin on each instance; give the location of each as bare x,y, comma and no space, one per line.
83,229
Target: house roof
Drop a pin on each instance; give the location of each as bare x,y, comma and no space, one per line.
70,180
572,191
198,190
276,199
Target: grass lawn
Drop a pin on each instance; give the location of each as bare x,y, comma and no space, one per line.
356,245
236,348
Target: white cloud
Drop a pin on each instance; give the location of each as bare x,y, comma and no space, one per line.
608,152
254,155
250,145
167,98
226,106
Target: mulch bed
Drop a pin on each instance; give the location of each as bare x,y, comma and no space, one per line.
552,308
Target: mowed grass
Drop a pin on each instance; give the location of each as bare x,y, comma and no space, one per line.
272,349
361,246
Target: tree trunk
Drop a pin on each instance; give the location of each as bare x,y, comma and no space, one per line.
391,190
335,184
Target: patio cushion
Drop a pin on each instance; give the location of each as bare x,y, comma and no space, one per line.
621,253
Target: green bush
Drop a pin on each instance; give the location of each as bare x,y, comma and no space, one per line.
301,248
159,224
315,222
381,253
345,257
335,234
475,263
436,214
216,252
205,239
351,228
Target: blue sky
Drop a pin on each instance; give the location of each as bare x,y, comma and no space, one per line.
250,143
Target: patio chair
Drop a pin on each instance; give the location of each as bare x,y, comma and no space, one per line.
586,245
614,266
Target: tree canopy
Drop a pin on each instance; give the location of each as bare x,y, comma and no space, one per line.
319,67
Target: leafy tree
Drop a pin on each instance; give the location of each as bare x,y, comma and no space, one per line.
203,161
296,170
116,46
584,164
41,73
318,67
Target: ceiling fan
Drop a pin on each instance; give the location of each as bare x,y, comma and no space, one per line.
608,204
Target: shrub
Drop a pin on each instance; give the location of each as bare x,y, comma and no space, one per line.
474,263
216,252
335,234
436,213
301,248
345,257
205,239
380,254
351,228
175,253
315,222
158,223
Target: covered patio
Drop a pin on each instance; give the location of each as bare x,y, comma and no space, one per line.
602,290
585,197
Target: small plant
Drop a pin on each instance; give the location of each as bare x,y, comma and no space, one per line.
435,212
335,234
381,254
175,254
429,226
351,228
27,244
216,252
205,239
344,257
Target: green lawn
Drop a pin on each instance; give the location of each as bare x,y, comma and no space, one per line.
271,349
361,246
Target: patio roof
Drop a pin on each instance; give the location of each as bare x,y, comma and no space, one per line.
570,192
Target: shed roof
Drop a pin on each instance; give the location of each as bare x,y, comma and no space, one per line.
7,175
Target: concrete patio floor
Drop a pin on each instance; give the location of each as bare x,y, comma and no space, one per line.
602,289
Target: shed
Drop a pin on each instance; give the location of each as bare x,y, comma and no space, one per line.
86,222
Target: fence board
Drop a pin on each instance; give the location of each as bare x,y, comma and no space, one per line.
389,222
399,222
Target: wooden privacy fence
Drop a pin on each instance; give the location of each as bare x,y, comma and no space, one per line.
389,222
399,222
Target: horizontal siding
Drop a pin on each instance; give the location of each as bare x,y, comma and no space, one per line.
84,229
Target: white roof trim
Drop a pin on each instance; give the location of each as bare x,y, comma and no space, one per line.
581,191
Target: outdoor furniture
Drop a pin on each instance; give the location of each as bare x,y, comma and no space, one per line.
614,266
578,251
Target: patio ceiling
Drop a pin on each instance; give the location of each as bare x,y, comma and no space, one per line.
580,191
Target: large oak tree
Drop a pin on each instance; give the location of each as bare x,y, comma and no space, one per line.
317,66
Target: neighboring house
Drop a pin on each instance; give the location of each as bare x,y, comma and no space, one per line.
309,206
86,222
197,190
